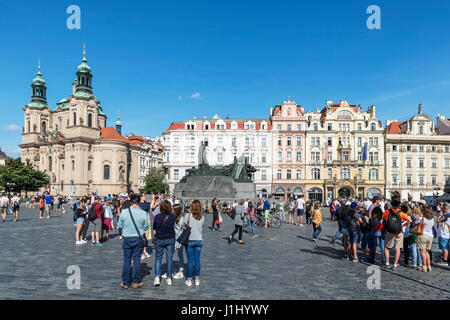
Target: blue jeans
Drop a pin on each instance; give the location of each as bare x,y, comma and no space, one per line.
251,229
366,240
317,230
193,251
167,246
132,249
181,257
377,236
416,256
339,232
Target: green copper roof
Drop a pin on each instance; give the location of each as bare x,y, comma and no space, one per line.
84,67
39,80
100,111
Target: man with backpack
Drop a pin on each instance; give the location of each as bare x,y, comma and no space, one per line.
15,206
95,217
392,222
4,201
354,221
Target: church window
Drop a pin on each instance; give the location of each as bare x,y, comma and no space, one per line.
106,170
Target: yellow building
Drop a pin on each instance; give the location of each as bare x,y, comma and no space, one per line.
345,153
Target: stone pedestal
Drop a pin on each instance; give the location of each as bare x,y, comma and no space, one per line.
209,187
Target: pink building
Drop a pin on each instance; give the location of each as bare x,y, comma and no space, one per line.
288,147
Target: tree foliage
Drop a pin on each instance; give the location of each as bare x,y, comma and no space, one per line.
17,176
154,181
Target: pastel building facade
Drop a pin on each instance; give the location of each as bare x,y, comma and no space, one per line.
225,139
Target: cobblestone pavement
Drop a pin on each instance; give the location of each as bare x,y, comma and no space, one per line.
276,264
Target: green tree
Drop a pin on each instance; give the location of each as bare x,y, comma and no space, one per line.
154,181
17,176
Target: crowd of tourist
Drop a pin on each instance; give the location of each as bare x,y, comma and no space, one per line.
166,224
391,225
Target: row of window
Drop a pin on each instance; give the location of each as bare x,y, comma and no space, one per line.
421,148
248,141
345,173
421,163
190,157
420,180
60,126
344,127
222,126
345,141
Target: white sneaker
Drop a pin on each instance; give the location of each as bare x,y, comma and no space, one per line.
197,282
143,257
157,282
78,242
179,275
188,283
147,255
164,276
169,282
83,241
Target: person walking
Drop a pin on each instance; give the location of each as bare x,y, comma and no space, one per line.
4,202
291,211
179,221
377,234
215,209
425,241
394,235
444,234
354,221
133,223
300,210
106,222
41,207
80,215
195,221
281,209
238,221
48,204
316,221
266,206
250,215
15,206
164,234
144,205
97,222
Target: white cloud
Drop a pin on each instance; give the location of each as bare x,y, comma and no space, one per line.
180,98
13,127
13,151
195,95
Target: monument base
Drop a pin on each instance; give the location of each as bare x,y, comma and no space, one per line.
223,188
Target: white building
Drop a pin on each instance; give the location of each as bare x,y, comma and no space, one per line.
417,158
150,156
225,139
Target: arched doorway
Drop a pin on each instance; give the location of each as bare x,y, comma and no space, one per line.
345,192
297,192
315,195
279,193
372,192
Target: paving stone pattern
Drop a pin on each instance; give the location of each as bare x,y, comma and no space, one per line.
276,264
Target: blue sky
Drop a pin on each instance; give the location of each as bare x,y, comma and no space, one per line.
164,61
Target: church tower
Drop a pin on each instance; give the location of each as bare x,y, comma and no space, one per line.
84,77
37,114
118,124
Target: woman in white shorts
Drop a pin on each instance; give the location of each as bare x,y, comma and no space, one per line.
425,241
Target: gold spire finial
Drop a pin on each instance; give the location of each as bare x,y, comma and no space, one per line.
39,65
84,50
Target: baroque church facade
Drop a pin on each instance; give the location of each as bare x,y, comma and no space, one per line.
73,144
